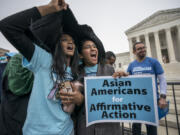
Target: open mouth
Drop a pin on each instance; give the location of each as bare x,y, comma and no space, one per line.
93,55
70,47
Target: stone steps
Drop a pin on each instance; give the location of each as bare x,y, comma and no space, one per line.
171,131
175,86
171,121
171,99
170,93
172,109
161,130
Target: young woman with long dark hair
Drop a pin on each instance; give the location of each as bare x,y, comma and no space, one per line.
51,66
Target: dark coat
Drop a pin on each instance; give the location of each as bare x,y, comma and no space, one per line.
100,128
14,104
12,111
2,67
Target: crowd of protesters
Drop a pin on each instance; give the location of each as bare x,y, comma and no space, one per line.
47,36
51,44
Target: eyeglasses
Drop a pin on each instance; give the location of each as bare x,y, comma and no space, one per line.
89,46
141,48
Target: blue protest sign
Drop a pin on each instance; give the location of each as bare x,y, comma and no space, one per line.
126,99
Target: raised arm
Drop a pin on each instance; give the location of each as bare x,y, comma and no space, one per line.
47,30
69,21
15,27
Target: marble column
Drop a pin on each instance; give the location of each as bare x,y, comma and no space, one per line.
170,45
131,50
137,39
158,47
178,27
148,45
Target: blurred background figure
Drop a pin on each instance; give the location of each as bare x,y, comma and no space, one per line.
110,58
9,55
3,62
17,84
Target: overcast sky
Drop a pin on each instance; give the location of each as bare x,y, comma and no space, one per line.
109,18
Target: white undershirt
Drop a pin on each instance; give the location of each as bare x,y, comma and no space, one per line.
162,84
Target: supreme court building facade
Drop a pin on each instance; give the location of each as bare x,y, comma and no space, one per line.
161,34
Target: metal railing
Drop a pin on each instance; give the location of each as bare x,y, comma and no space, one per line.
128,130
175,105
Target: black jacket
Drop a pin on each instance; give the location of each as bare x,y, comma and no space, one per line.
13,111
2,67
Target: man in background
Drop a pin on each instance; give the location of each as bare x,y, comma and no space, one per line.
110,58
146,65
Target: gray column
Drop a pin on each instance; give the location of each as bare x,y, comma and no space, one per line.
148,45
158,47
178,27
131,50
170,46
137,39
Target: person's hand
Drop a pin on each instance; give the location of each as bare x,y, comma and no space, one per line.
162,103
72,97
119,74
53,6
58,5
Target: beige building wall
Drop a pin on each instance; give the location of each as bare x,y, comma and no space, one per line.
122,61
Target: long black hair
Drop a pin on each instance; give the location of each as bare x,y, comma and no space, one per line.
59,63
